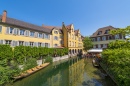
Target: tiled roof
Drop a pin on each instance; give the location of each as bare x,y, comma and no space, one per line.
68,27
76,32
52,27
103,31
23,24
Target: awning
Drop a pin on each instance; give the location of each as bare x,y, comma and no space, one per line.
95,50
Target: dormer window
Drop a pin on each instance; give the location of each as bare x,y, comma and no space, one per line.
99,33
56,32
107,32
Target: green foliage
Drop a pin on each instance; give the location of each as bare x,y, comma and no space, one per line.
119,44
124,31
6,54
11,58
117,61
30,63
87,43
48,59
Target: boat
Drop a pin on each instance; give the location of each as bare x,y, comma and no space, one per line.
95,62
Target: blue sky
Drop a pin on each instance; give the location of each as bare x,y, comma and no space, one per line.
86,15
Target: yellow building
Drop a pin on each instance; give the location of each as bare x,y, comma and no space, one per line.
66,36
16,32
72,39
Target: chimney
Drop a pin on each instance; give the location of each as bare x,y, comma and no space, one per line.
4,16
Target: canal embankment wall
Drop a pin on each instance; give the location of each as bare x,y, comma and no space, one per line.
60,58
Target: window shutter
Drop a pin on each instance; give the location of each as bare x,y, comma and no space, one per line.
1,41
48,36
17,43
23,43
36,34
18,31
0,28
48,45
43,44
15,31
26,33
7,30
12,43
43,36
26,44
34,44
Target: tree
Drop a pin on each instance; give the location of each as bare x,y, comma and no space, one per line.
87,43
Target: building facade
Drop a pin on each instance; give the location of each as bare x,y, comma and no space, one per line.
16,32
101,37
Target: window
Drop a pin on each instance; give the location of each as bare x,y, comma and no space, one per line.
26,33
31,33
1,41
22,32
40,35
26,43
55,38
99,46
0,28
42,44
107,31
98,39
14,43
8,42
55,45
16,31
70,43
36,34
117,36
46,36
99,33
21,43
56,32
61,42
47,45
104,38
93,39
104,45
31,43
39,44
94,46
11,30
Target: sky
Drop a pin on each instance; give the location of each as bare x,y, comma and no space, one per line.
86,15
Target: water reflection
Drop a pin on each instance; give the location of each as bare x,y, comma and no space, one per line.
71,72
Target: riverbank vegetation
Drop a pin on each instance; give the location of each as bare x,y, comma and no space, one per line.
12,58
116,59
87,43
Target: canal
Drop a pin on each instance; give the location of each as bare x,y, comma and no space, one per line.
71,72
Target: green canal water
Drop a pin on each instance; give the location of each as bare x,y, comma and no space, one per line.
71,72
